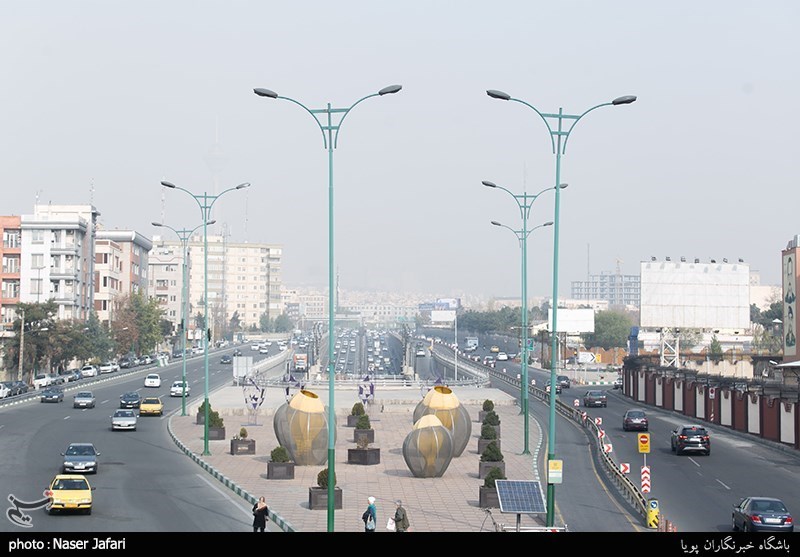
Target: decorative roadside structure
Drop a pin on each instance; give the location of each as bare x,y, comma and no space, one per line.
444,404
301,425
428,449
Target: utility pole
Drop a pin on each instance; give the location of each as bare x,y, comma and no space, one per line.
21,344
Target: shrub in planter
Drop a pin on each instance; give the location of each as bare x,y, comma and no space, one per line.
363,453
487,496
488,432
363,422
355,413
243,433
487,407
493,420
201,413
240,444
216,426
318,496
280,466
491,458
364,429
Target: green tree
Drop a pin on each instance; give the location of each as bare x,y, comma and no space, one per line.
40,326
715,349
264,323
611,330
283,324
236,322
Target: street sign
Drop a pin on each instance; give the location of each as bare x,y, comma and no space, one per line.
644,442
601,434
607,448
712,392
624,468
576,403
555,469
598,421
645,479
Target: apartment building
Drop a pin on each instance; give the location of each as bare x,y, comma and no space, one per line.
121,267
10,272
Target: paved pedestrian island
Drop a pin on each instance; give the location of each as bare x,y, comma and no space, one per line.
445,504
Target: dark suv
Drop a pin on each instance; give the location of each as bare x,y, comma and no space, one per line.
690,438
634,419
563,381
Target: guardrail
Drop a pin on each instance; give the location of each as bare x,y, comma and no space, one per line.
627,488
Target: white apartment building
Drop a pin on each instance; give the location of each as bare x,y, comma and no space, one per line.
121,266
57,258
243,279
165,276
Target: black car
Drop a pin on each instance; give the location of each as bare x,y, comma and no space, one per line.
125,362
595,398
690,438
635,419
13,388
22,387
563,381
130,400
761,514
52,394
226,359
558,387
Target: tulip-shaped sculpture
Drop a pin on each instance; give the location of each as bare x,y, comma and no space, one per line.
301,425
444,404
428,449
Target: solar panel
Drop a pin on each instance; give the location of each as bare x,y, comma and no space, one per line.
520,497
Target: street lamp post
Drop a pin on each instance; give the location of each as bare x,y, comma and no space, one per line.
558,139
330,136
184,236
522,236
525,202
205,202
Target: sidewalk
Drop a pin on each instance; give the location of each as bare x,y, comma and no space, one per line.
446,504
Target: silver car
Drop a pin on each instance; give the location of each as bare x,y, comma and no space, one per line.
123,419
83,399
80,458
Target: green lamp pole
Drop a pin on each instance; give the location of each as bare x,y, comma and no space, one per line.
558,139
522,236
205,202
184,236
330,136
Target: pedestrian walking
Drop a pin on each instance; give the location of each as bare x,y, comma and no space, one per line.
370,516
400,517
260,515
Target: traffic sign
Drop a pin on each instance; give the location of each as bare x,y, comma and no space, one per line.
607,448
712,392
555,469
644,442
645,479
624,468
598,421
601,434
576,403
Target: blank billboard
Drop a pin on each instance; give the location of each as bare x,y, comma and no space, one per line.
443,316
695,295
572,320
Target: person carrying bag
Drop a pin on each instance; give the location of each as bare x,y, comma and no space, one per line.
370,516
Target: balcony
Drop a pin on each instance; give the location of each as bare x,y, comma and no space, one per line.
63,272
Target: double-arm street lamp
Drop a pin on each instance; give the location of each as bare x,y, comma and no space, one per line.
525,202
329,120
205,202
184,236
559,135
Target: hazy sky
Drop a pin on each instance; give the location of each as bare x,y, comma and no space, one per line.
101,100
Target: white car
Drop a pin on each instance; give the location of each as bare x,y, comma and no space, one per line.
41,381
88,371
106,367
152,380
4,391
502,357
177,389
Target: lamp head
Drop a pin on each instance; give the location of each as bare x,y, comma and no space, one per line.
156,224
627,99
562,186
213,221
494,222
168,184
390,90
265,93
548,223
242,186
489,184
498,95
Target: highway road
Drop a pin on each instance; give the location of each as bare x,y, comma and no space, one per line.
695,493
144,482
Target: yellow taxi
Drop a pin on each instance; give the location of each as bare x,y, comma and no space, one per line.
151,406
494,349
70,492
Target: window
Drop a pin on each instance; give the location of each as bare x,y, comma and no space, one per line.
37,236
11,238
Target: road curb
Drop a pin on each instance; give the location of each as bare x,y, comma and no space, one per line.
227,482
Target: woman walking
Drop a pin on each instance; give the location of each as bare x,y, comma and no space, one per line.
260,514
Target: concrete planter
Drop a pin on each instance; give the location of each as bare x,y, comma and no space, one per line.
242,446
483,443
352,420
216,433
318,498
369,434
482,415
487,498
280,470
485,466
201,418
368,456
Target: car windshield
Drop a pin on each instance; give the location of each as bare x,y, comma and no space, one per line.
70,484
694,431
151,401
84,395
123,414
763,505
81,450
635,414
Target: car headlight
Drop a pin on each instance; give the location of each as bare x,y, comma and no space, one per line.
69,463
84,501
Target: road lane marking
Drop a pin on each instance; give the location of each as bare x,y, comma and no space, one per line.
104,402
694,461
723,485
66,417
